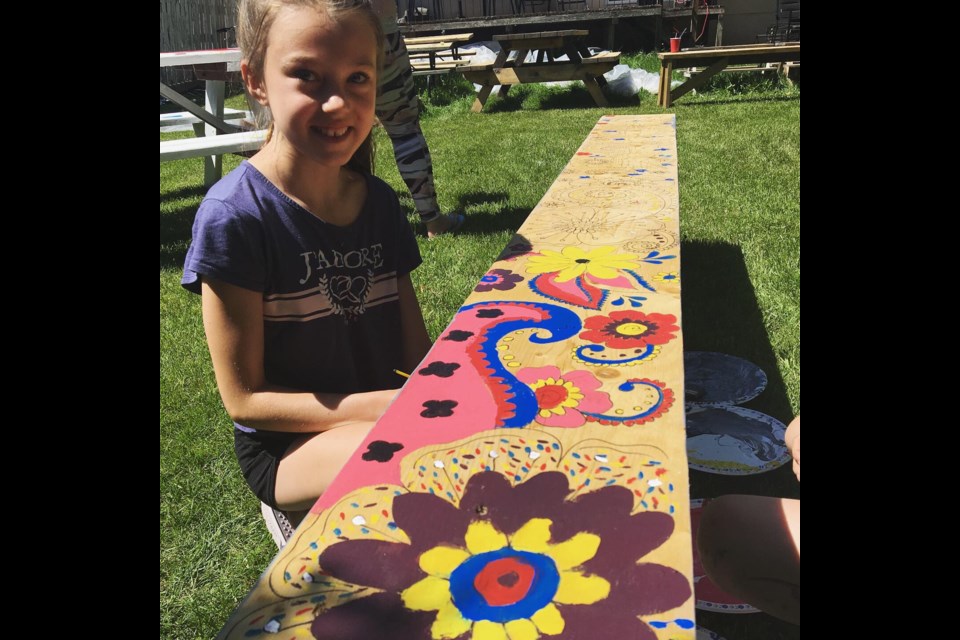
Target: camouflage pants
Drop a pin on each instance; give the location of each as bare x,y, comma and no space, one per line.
398,108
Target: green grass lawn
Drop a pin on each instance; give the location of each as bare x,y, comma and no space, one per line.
739,162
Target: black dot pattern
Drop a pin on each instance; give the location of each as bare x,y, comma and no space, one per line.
439,369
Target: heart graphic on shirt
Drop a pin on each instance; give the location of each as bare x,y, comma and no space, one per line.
349,291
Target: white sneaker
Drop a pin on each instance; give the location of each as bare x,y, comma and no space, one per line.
277,524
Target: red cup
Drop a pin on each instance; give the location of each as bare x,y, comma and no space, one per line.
674,44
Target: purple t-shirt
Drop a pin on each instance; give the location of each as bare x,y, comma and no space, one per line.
331,310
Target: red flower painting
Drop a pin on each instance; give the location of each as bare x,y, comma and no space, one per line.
630,329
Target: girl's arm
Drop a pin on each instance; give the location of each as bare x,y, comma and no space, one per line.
416,341
233,321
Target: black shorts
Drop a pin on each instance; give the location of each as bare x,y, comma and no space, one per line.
259,454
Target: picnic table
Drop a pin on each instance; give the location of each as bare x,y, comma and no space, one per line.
580,64
214,67
530,479
716,59
433,55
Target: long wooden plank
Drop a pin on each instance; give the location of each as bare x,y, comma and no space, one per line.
185,117
185,58
452,37
430,47
211,145
531,478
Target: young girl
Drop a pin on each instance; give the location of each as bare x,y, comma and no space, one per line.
303,257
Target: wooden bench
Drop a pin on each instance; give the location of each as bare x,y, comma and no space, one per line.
440,55
211,145
547,421
438,68
430,47
453,37
715,60
436,55
185,117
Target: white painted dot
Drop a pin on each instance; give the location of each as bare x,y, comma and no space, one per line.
438,464
493,454
273,626
359,521
600,458
534,455
306,577
654,482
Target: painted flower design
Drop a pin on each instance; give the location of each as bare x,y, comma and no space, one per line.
584,277
563,398
574,262
500,586
499,279
667,276
516,563
630,329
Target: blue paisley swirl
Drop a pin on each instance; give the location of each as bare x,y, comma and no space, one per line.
560,322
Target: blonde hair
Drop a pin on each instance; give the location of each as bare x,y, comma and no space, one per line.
255,19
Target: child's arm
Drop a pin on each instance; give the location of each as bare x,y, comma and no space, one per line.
416,341
233,321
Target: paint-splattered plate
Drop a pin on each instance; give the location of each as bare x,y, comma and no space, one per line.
717,379
706,634
734,441
709,596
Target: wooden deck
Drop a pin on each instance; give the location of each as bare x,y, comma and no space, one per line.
601,21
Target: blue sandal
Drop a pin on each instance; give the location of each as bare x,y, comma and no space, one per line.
456,221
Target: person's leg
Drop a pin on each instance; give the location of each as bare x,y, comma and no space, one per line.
311,464
398,108
750,548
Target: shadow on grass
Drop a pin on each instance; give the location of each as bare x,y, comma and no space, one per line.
183,192
513,101
720,313
484,211
577,97
574,96
176,226
499,219
704,99
444,90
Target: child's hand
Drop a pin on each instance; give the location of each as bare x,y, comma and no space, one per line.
792,438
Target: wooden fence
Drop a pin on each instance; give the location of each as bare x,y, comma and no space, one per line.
192,24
